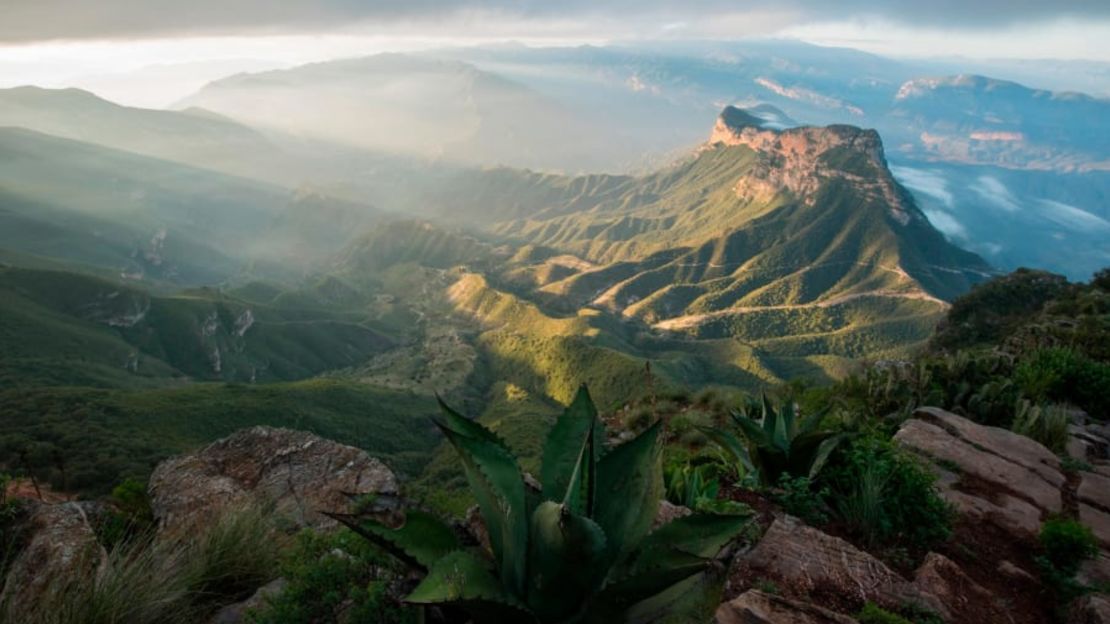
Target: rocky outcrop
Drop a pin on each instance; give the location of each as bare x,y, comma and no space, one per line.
989,474
800,159
301,475
62,545
757,607
806,563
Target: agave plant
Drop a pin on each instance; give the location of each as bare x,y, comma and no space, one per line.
778,441
580,550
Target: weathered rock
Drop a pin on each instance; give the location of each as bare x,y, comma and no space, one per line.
802,560
238,613
1012,515
1008,480
939,576
1091,609
1096,571
299,473
756,607
668,511
1094,489
62,544
1015,573
1098,520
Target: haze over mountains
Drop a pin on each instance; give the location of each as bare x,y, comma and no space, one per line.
1014,173
470,220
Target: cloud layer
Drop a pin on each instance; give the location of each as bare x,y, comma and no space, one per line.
39,20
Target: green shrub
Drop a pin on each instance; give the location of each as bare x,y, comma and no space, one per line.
333,575
1045,424
580,549
1065,375
1067,544
874,614
797,498
885,496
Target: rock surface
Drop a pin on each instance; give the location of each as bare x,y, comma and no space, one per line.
1091,609
1003,478
939,576
299,473
756,607
807,563
62,544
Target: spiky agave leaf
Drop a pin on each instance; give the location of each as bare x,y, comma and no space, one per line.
462,580
570,455
733,446
629,486
498,485
566,562
419,542
671,554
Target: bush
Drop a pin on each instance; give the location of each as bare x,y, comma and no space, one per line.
1066,376
885,496
328,576
1067,544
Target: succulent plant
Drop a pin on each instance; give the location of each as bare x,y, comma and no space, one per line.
579,550
776,441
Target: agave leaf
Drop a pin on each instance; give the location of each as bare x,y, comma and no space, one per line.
629,486
781,436
570,455
789,417
497,484
732,445
422,540
646,581
565,561
461,579
824,450
809,424
700,535
751,430
769,417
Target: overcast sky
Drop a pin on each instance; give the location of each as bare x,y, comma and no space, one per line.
83,42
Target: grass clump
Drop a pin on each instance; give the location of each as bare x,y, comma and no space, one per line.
1045,424
144,580
885,497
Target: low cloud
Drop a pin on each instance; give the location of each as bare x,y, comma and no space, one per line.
39,20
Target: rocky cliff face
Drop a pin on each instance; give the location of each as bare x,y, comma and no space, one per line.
801,159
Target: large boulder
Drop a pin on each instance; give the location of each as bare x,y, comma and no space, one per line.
62,544
1001,477
300,474
808,564
757,607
